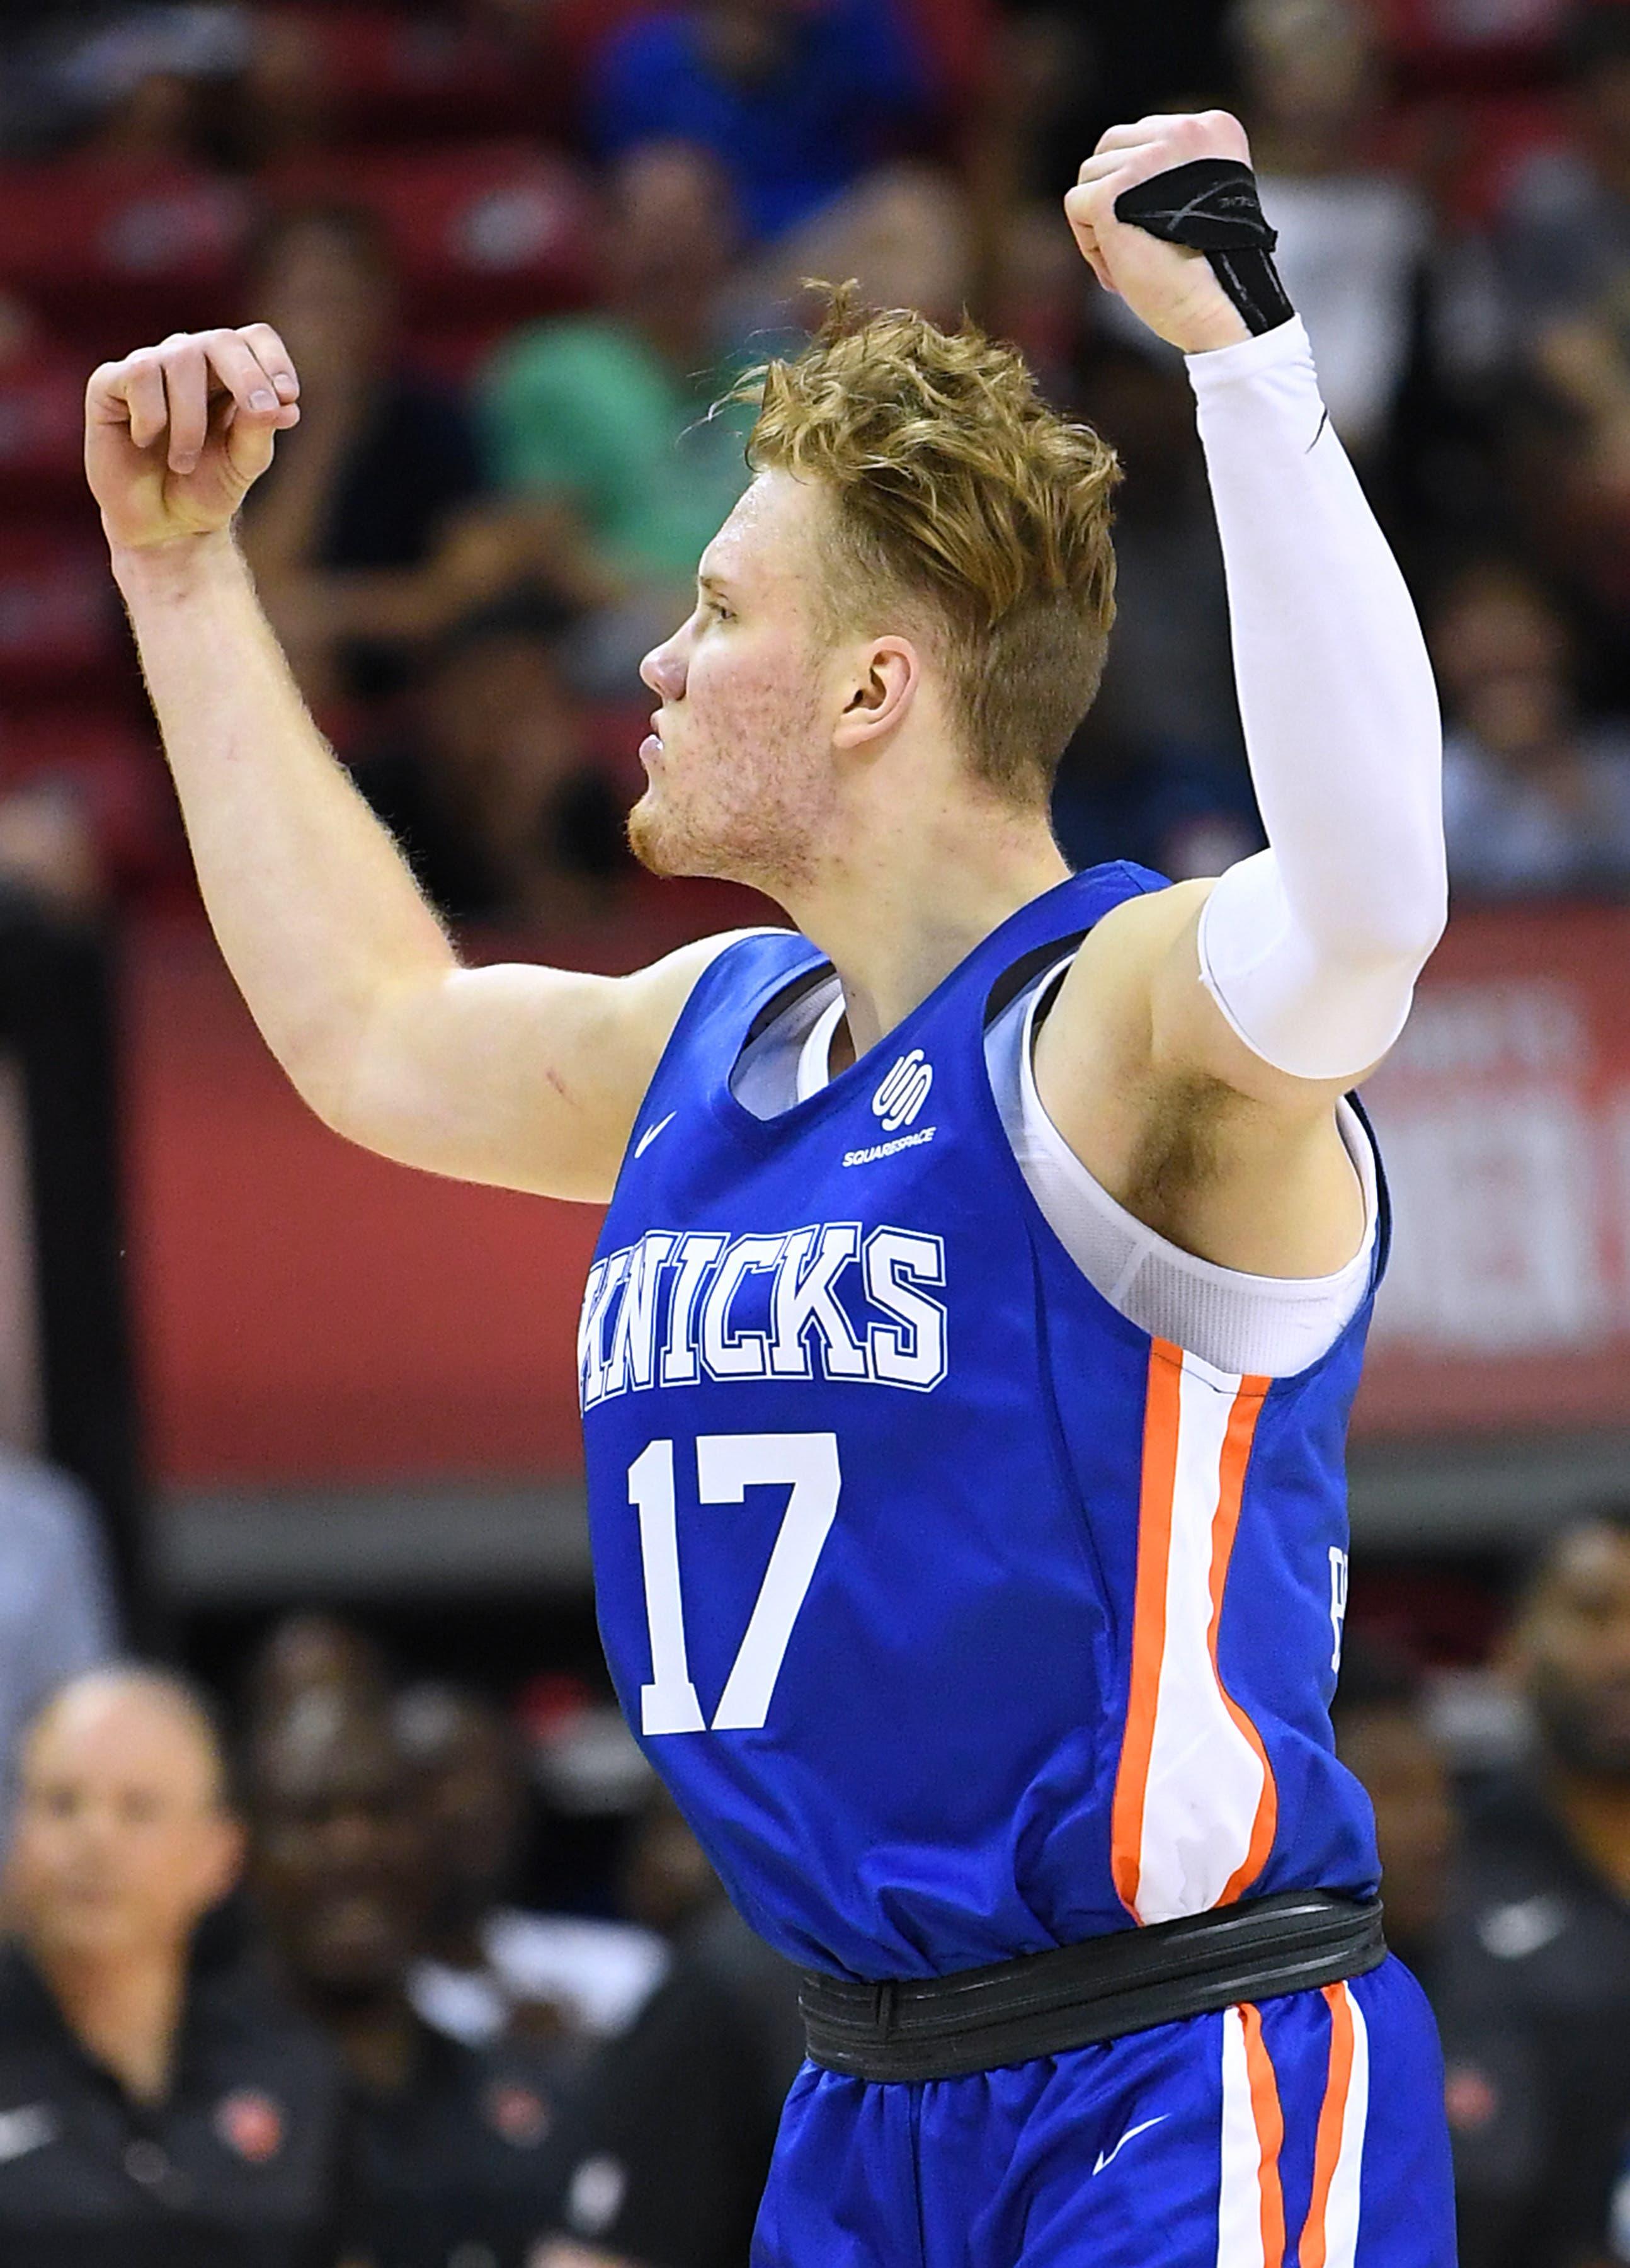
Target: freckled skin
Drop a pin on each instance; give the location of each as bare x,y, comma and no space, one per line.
745,785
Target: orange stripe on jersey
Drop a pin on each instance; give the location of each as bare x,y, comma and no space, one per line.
1270,2123
1162,1415
1332,2123
1242,1427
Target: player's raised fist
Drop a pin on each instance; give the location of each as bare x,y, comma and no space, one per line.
176,435
1174,290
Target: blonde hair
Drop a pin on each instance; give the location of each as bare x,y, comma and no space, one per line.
962,501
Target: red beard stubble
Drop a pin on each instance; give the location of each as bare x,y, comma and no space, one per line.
756,814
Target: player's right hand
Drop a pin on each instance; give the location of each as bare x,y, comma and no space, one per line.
176,435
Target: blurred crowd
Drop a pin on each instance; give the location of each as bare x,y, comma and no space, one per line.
280,1983
270,1991
521,249
285,1981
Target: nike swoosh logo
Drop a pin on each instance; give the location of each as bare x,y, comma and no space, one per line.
1131,2132
651,1133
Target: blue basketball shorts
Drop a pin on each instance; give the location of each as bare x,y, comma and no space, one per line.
1305,2131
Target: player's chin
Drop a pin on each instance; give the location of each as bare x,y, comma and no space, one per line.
662,844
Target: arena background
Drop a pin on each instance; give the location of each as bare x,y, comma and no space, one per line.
296,1377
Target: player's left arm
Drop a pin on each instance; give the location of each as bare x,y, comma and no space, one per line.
1256,1000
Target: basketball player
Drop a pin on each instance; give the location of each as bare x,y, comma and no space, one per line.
967,1355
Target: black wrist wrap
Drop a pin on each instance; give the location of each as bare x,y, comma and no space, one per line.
1211,205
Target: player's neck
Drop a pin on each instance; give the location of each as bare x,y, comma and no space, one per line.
896,917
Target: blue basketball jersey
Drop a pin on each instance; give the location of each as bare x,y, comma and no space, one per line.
962,1618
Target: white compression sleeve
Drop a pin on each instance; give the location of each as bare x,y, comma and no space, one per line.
1311,949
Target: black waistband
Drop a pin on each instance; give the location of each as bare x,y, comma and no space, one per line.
1078,1995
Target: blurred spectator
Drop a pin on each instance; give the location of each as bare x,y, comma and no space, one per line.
354,535
1045,105
312,1652
151,2118
489,1969
668,1886
904,235
1534,1992
447,2136
1565,245
1157,772
1536,799
1384,1738
1036,294
1352,237
1619,2212
141,105
665,1883
770,87
56,1606
491,783
123,75
1058,74
607,413
661,2154
1566,233
48,852
283,109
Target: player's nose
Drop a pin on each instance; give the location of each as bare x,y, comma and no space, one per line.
663,670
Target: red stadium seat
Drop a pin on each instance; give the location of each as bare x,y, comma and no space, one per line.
1473,149
59,626
581,29
455,352
484,232
41,424
957,38
114,770
380,74
1502,133
99,246
1440,44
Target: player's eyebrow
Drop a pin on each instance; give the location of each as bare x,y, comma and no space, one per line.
711,582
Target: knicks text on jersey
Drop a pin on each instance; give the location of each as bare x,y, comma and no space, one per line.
962,1618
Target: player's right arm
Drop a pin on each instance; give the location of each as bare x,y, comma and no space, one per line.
524,1076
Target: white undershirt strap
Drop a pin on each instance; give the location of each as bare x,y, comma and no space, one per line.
1264,1326
815,1056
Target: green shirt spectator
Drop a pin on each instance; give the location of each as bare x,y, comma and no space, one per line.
584,408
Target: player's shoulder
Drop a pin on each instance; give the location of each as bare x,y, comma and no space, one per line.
1099,1022
710,970
733,951
1140,924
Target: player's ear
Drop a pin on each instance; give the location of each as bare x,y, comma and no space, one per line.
878,693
